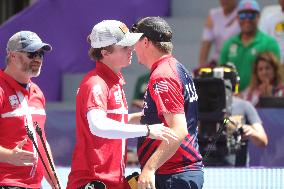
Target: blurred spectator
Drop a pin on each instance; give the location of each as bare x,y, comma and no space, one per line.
140,89
248,123
267,79
268,10
273,24
220,25
243,48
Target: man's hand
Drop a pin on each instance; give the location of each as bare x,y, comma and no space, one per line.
255,133
160,132
21,157
146,179
248,132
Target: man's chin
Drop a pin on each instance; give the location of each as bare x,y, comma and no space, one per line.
34,74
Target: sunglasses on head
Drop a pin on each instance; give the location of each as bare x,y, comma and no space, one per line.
247,15
32,55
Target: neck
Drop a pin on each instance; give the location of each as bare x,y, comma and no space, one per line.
111,66
247,37
18,76
155,57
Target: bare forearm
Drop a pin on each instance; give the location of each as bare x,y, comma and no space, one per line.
256,134
134,118
260,139
204,51
162,154
165,151
137,103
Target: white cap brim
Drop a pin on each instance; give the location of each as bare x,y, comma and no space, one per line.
129,39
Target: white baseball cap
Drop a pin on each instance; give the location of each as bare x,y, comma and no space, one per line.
112,32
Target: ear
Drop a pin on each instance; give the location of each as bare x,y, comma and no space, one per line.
89,39
11,54
146,42
104,52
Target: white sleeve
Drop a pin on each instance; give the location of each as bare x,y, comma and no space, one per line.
207,34
102,126
265,24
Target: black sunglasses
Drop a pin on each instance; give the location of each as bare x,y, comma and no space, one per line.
32,55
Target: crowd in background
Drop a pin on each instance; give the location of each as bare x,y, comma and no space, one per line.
255,48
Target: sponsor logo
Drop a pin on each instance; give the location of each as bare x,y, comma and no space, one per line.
279,29
118,97
123,28
233,50
253,51
13,99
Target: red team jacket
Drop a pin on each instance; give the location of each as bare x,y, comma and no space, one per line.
97,158
17,106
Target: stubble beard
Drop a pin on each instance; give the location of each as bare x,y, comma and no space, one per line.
30,70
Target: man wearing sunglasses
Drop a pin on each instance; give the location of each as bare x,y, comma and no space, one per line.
22,105
243,48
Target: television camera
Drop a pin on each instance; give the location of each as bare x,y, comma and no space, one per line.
219,132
